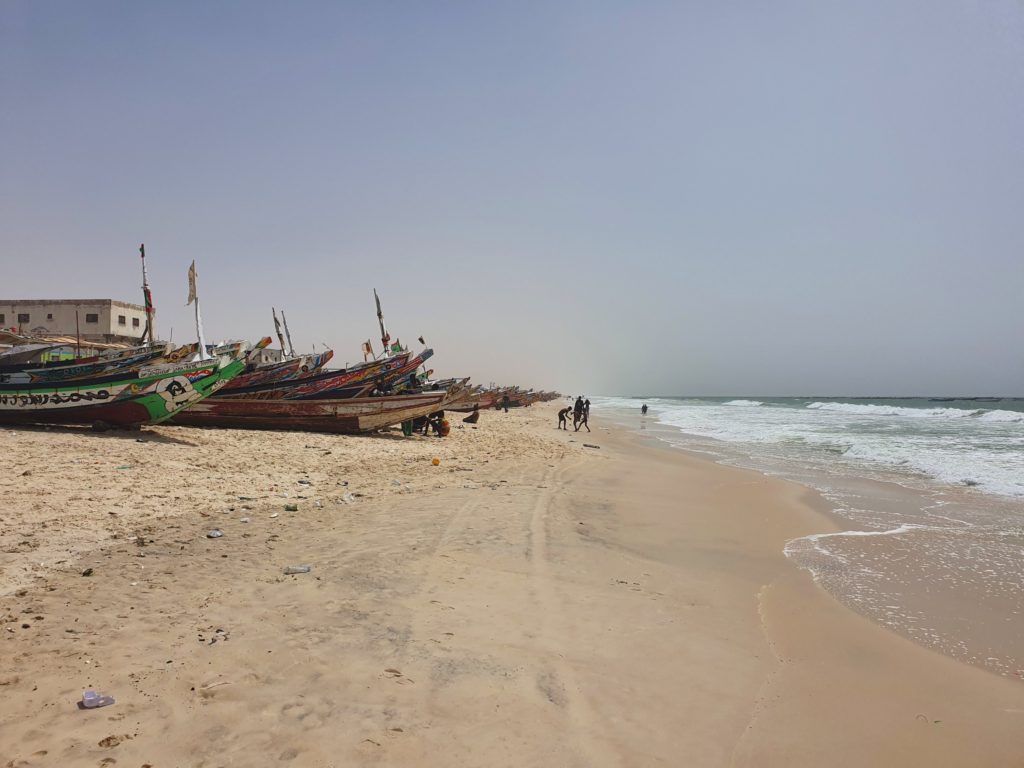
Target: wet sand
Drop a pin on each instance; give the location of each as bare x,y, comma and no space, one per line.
530,601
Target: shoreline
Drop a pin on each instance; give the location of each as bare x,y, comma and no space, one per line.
827,653
530,600
970,620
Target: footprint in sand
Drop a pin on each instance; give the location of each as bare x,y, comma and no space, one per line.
397,676
310,714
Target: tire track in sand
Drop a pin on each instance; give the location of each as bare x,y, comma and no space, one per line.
559,683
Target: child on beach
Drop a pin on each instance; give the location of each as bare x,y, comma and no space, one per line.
582,421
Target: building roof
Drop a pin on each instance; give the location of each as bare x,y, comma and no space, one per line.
71,302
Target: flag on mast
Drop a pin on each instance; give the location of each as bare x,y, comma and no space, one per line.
147,296
385,337
193,298
288,335
191,283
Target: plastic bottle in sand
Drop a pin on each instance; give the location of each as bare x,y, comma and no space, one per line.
93,700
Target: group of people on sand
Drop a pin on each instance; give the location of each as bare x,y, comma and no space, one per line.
580,415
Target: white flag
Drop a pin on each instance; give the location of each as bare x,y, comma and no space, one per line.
191,284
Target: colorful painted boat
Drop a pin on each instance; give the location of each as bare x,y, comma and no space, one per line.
318,382
146,395
274,373
83,368
348,416
380,383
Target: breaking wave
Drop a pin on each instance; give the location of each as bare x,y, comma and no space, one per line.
1009,416
858,409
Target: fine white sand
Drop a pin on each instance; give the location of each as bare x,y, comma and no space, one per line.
529,601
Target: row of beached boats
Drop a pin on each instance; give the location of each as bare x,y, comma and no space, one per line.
226,386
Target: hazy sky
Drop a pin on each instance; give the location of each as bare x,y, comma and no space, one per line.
606,197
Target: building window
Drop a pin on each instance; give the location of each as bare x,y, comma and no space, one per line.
121,320
92,318
135,322
23,318
3,318
49,316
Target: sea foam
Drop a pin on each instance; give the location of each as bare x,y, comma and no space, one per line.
867,409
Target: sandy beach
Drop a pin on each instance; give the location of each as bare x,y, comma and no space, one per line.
528,601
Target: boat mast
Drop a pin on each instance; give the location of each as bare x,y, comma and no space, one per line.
288,334
385,338
280,337
148,299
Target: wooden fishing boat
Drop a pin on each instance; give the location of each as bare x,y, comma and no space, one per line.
381,382
348,416
274,373
83,368
318,382
124,399
27,349
471,398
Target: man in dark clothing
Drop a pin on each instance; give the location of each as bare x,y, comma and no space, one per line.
504,403
563,418
643,410
577,412
438,423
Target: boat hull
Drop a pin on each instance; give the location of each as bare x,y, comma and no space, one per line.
348,416
146,396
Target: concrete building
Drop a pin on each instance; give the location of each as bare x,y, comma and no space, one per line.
102,320
266,355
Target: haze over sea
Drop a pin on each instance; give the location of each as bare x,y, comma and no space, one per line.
929,493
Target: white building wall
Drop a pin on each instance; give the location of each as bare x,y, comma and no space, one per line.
97,319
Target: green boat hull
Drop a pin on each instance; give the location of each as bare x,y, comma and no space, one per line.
143,396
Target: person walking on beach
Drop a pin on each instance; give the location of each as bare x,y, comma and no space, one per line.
504,403
582,422
577,412
586,408
643,409
563,418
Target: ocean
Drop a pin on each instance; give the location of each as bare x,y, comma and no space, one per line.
928,492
